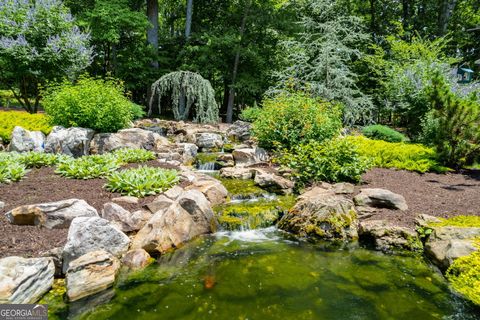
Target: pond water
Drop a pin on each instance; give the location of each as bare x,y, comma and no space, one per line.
263,274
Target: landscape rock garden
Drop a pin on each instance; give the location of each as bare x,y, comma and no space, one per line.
96,239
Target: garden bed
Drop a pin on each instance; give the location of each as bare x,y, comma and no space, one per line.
443,195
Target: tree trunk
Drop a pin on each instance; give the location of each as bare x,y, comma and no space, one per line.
152,31
188,23
231,93
446,10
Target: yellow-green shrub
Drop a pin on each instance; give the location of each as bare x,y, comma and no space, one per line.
382,154
464,275
10,119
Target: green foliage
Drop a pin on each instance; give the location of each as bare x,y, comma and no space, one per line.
238,188
457,135
289,119
11,169
379,132
137,111
333,160
382,154
250,114
89,167
40,159
142,181
464,276
126,155
320,57
90,103
186,89
39,41
252,215
10,119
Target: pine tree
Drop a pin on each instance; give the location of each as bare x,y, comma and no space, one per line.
320,59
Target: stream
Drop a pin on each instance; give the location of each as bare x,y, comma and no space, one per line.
265,274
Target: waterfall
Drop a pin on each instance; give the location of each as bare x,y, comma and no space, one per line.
206,167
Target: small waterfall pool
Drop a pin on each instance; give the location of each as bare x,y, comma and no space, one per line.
265,274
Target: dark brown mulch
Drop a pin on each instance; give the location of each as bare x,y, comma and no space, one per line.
43,185
441,195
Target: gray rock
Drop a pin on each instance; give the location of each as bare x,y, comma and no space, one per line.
174,192
92,234
208,140
188,217
239,131
123,219
249,156
24,140
446,244
322,214
380,198
73,142
91,273
2,205
128,138
273,182
137,259
237,173
126,200
190,151
387,237
25,280
343,188
52,215
225,160
57,256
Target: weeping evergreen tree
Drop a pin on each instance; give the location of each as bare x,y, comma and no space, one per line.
319,59
186,89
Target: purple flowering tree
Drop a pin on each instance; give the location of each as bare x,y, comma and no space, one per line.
39,42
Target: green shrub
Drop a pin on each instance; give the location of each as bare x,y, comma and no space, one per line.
250,114
464,276
382,154
137,111
11,169
332,161
142,181
126,155
40,159
457,135
379,132
88,167
90,103
10,119
292,118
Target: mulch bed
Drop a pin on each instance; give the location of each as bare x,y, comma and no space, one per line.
441,195
43,185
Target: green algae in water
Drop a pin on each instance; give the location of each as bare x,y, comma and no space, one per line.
270,277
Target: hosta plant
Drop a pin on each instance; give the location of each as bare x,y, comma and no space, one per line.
126,155
142,181
11,169
39,159
89,167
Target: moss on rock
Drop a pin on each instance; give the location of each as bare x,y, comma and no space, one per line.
458,221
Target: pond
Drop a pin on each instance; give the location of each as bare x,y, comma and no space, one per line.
264,274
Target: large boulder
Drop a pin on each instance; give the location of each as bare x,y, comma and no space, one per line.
52,215
446,244
380,198
91,273
272,182
25,280
190,151
92,234
322,214
128,138
123,219
214,190
209,140
249,156
386,237
237,173
74,142
189,216
24,140
239,131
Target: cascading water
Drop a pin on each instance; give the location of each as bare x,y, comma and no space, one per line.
206,167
